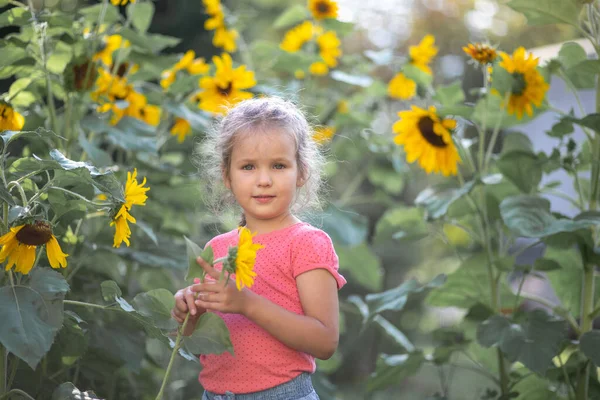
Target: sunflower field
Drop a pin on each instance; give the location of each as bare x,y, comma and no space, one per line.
466,281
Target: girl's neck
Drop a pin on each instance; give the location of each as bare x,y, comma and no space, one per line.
261,227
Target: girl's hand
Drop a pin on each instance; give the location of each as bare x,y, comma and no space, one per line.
219,296
184,303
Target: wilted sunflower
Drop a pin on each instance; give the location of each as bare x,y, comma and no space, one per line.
422,54
242,258
20,243
226,87
482,53
323,134
529,85
428,138
401,87
294,39
135,194
322,9
10,120
181,128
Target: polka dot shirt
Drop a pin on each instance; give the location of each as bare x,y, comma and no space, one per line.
261,361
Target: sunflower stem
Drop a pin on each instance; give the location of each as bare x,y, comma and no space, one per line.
78,196
173,354
4,218
21,191
492,144
3,369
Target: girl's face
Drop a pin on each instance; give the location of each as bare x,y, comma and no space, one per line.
263,176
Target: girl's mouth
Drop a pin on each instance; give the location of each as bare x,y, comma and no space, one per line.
263,199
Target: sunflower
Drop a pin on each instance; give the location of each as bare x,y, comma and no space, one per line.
482,53
401,87
318,68
295,38
111,44
19,244
121,2
225,38
10,120
225,88
181,128
422,54
242,259
322,9
135,194
329,48
427,138
323,134
529,86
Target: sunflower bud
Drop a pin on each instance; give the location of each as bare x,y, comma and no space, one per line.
229,264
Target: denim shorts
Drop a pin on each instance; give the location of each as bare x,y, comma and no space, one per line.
299,388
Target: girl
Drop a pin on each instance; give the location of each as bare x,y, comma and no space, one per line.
264,158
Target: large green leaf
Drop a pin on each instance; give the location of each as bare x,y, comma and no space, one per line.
534,342
530,216
395,334
522,168
401,223
571,54
386,177
436,200
141,15
589,343
364,266
15,16
60,58
392,370
534,387
541,12
11,54
193,252
450,95
157,305
591,121
291,16
111,291
566,281
211,336
583,75
92,13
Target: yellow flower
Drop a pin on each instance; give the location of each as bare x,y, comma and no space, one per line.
111,44
329,48
318,68
321,9
168,77
401,87
225,39
135,194
212,7
10,120
299,74
217,21
181,128
245,259
427,138
482,53
294,39
342,107
226,87
198,66
110,87
323,134
121,2
422,54
529,86
20,243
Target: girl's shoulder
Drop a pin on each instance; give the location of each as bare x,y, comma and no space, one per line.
224,238
309,234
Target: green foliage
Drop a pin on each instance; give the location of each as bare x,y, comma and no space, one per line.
541,12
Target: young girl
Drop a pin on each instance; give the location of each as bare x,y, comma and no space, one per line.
264,157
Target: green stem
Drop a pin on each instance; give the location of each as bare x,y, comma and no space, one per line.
83,304
21,191
78,196
180,331
587,305
3,369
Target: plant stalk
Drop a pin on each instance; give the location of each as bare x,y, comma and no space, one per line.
173,355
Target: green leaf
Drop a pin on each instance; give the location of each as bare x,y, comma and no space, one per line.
193,252
68,164
364,266
394,333
522,168
92,13
437,200
53,287
112,292
71,342
450,95
11,54
420,77
157,305
497,114
591,121
534,342
211,336
517,141
502,81
541,12
15,16
400,223
6,196
560,129
571,54
153,43
456,111
535,387
566,281
291,16
386,177
589,343
392,370
583,75
59,58
198,121
141,15
98,156
529,216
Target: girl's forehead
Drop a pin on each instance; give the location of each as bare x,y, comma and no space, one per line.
270,142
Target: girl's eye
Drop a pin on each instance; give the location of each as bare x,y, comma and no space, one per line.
247,167
279,166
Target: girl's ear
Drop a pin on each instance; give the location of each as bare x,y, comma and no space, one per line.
300,181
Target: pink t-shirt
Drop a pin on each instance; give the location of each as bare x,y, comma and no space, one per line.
261,361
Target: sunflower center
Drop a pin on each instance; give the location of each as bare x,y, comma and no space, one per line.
519,83
35,234
426,129
323,7
226,90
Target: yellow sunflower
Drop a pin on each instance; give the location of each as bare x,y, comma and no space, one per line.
323,134
121,2
482,53
111,44
294,39
135,194
329,48
427,138
181,128
225,39
401,87
422,54
245,257
322,9
10,120
529,85
20,243
318,68
226,87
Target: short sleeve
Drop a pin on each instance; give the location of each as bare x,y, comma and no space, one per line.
314,250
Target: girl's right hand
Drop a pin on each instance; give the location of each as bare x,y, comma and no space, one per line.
185,302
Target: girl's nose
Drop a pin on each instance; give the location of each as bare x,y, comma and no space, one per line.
264,179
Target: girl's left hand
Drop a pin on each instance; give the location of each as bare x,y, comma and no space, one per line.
218,295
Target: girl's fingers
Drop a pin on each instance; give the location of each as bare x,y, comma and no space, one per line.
210,270
207,287
189,299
